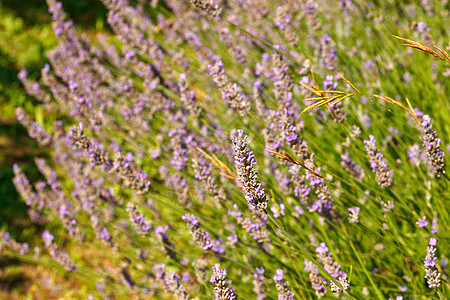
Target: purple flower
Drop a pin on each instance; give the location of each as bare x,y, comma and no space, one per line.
222,291
322,249
415,155
431,143
202,237
422,222
352,167
35,130
258,283
407,77
13,245
421,27
170,282
328,52
344,283
434,225
57,254
354,214
233,239
257,229
139,221
402,288
47,237
317,282
383,174
231,92
209,6
278,275
432,242
247,175
432,274
284,293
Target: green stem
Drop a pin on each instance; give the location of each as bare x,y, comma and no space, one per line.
372,283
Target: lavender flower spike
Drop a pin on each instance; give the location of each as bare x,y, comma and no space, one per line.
248,176
202,237
343,281
432,273
57,254
284,293
431,143
139,221
383,174
258,283
11,244
209,6
222,291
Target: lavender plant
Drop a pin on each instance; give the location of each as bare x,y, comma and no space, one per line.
207,149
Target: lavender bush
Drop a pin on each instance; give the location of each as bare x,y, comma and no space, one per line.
241,150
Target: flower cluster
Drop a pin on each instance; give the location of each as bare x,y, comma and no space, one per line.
57,254
35,130
383,174
139,221
258,283
231,92
202,237
432,274
352,167
328,52
8,242
171,282
256,229
167,246
209,6
344,283
248,176
327,259
188,97
284,292
354,214
222,290
31,198
432,143
317,282
202,171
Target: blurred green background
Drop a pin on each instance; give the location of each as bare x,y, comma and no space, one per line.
25,37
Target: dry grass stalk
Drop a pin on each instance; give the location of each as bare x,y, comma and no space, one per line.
413,44
218,164
288,158
349,83
326,100
409,109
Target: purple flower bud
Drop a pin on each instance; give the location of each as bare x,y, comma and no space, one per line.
422,222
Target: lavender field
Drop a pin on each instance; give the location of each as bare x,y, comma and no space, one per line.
224,150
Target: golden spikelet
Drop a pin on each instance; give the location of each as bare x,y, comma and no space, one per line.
218,164
288,158
310,89
410,110
326,100
349,83
413,44
443,52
